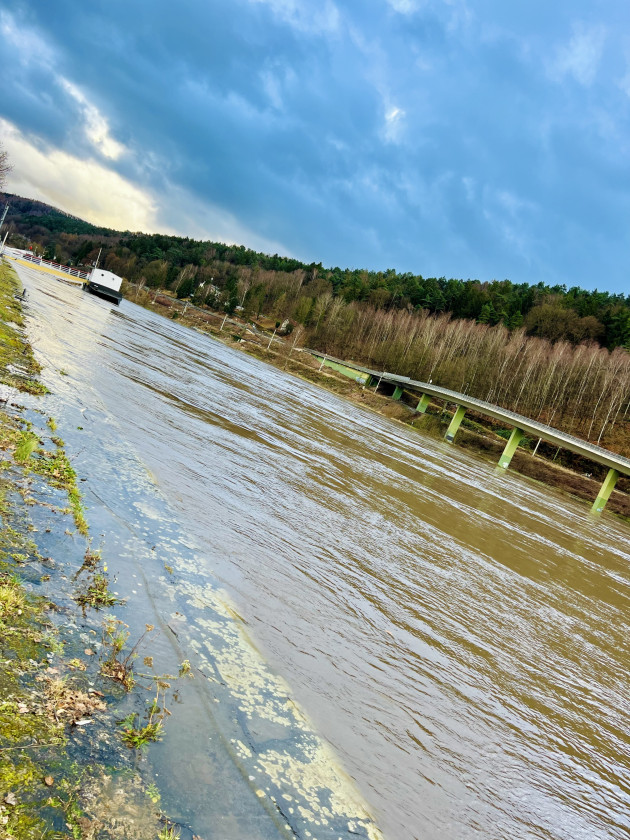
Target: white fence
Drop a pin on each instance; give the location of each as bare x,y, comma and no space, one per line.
67,269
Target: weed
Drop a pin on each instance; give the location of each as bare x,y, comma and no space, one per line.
53,644
115,636
153,793
136,737
91,559
26,445
97,593
169,832
52,424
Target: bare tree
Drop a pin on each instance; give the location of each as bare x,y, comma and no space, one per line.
321,305
5,166
297,335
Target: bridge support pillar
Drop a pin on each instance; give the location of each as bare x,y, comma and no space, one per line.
605,490
510,448
455,424
397,393
423,404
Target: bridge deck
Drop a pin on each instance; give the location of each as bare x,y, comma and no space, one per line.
530,427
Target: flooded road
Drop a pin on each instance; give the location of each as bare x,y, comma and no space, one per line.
459,637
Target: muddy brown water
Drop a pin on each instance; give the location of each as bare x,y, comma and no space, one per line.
459,636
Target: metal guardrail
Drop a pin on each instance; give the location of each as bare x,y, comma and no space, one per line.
548,433
67,269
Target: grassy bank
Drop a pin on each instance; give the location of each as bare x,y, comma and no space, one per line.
68,768
561,470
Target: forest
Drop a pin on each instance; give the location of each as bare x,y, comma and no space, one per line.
555,354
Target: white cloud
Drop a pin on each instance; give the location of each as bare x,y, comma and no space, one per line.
91,191
95,125
406,7
580,58
394,124
272,88
624,84
507,213
84,188
455,12
277,79
318,18
470,187
194,217
29,47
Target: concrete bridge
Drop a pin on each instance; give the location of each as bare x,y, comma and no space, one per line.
617,465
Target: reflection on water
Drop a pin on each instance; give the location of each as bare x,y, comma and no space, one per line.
459,637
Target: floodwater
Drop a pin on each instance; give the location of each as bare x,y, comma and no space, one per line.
458,636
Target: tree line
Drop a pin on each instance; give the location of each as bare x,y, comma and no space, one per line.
554,354
557,313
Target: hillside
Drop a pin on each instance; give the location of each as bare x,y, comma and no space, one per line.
556,313
557,356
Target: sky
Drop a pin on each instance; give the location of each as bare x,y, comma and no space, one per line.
461,138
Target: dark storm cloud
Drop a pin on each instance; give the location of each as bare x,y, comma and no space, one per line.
432,136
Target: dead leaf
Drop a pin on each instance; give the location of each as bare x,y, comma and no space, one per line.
48,780
10,799
89,652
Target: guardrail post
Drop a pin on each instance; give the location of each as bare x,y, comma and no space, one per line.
510,448
455,424
423,404
397,393
604,493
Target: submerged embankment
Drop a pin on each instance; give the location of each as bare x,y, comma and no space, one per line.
458,636
235,755
64,768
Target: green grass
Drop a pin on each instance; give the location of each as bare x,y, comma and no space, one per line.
15,351
27,444
12,599
57,469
